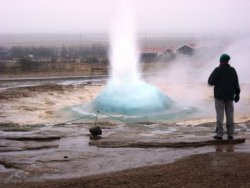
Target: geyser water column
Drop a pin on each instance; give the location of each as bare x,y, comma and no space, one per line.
126,92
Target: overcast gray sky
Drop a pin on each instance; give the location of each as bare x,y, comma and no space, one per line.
153,16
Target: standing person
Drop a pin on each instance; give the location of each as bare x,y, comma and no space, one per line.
224,78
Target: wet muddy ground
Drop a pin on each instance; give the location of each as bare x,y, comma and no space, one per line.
35,153
34,148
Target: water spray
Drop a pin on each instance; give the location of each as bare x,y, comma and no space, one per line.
126,93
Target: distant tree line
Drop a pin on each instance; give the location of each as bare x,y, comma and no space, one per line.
65,52
42,59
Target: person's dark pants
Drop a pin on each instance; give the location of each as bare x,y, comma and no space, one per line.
228,106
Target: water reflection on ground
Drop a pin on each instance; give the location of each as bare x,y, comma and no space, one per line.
41,152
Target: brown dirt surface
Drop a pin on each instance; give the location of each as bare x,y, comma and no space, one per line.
222,169
28,91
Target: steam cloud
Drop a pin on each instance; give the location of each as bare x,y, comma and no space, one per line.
185,78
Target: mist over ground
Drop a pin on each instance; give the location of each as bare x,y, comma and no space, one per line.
185,78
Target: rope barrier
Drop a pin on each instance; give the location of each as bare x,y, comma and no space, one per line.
126,122
62,123
129,123
96,118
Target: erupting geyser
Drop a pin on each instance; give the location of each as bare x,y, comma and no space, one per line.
126,92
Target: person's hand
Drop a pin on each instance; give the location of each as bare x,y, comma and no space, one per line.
236,98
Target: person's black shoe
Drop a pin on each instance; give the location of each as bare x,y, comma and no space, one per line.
217,137
230,137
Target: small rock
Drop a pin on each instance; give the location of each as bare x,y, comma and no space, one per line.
95,131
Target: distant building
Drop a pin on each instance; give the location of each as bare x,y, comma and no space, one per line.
151,54
185,50
156,51
168,55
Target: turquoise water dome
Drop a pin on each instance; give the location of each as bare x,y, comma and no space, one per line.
139,99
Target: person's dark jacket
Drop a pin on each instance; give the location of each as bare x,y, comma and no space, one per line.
224,78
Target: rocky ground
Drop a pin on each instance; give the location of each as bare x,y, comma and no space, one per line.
35,152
